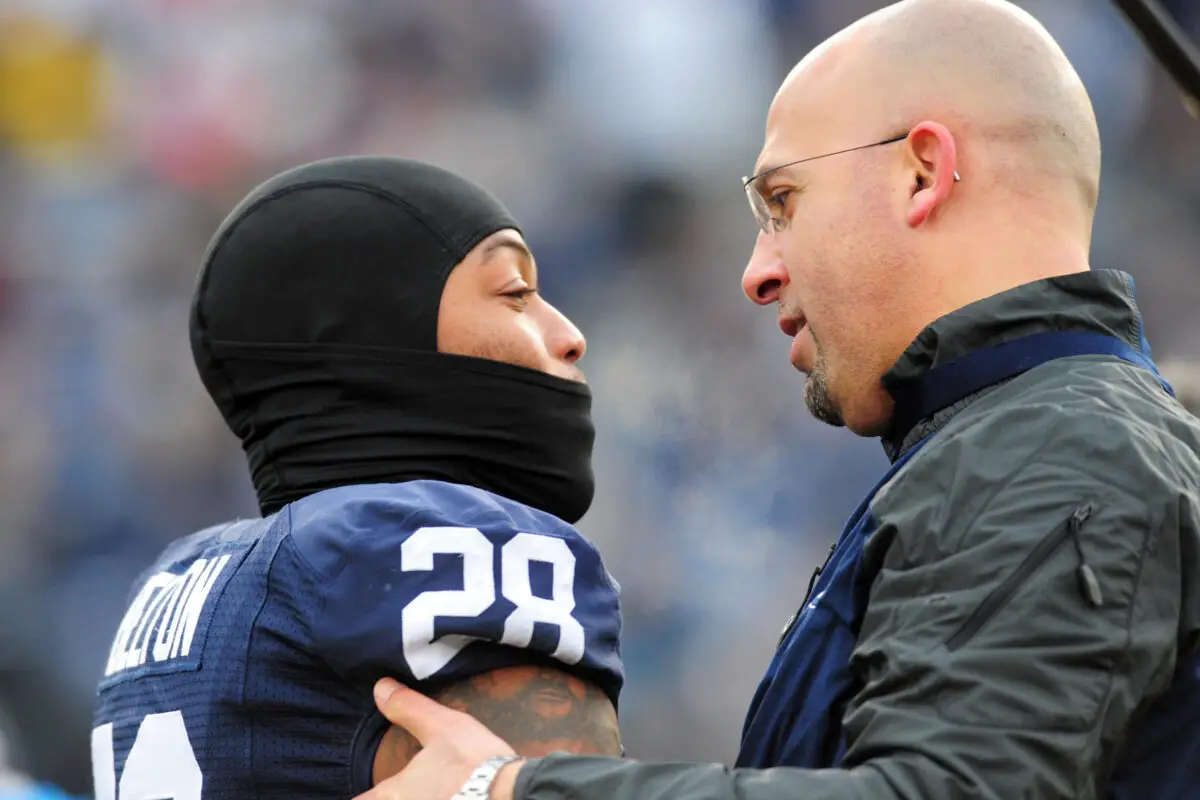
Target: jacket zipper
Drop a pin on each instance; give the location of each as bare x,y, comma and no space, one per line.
812,584
1089,586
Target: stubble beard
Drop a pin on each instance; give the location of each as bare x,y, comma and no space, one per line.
817,398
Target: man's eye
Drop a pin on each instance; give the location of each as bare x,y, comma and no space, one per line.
777,203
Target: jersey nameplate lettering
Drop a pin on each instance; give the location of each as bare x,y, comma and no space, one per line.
163,621
239,667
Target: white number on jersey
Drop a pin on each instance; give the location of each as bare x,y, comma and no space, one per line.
425,656
161,764
515,558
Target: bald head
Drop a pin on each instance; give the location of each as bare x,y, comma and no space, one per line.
985,67
869,235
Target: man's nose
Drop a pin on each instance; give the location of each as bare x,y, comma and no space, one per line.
765,274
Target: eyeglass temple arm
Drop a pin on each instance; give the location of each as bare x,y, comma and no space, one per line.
1169,45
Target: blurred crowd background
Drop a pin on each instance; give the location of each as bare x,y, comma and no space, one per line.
617,131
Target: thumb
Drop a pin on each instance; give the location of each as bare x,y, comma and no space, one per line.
411,710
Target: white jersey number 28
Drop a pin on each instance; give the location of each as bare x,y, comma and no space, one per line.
161,764
426,654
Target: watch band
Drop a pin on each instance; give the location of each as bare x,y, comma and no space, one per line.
481,780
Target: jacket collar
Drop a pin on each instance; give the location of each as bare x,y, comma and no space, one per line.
1098,302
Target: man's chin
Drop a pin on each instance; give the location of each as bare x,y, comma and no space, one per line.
820,403
827,415
864,414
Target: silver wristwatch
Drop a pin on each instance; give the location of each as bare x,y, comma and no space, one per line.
481,780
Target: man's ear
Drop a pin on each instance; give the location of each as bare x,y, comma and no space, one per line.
934,159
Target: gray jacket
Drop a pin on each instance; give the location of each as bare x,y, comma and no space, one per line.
1029,618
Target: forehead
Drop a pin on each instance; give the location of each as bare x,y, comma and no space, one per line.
792,135
499,238
816,105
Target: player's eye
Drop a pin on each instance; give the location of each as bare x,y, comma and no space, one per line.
521,296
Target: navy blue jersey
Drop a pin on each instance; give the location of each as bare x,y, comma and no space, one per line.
244,665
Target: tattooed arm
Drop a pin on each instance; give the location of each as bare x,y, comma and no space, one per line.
538,710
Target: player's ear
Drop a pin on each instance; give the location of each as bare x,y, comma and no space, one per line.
932,161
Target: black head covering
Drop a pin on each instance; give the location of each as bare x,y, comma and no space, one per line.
314,328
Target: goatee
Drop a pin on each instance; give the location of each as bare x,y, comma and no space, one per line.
816,396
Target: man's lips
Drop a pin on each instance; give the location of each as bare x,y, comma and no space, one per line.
792,325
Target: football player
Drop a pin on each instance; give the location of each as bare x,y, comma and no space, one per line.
419,437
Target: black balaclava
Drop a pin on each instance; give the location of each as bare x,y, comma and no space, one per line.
314,328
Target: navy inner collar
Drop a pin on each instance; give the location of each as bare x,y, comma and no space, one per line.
1001,337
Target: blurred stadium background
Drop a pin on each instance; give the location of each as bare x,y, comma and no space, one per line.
617,130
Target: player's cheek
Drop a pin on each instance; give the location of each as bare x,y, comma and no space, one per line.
535,342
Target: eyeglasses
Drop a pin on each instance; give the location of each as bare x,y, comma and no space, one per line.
759,204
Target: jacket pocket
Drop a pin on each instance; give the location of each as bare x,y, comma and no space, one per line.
1070,529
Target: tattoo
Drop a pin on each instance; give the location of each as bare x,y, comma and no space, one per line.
537,710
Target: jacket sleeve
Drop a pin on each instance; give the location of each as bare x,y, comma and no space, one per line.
1018,623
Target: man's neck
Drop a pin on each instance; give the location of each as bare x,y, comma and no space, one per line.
1006,259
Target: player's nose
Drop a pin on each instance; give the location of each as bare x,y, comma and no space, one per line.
564,340
765,274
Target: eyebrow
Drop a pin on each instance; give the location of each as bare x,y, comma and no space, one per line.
786,167
767,170
522,251
762,165
762,169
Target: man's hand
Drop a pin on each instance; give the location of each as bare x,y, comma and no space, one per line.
453,745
